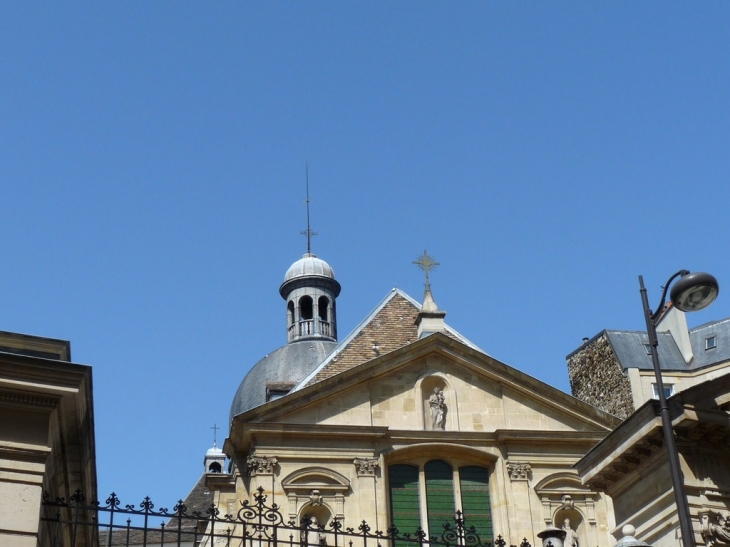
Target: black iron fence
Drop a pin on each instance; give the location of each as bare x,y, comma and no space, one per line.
78,523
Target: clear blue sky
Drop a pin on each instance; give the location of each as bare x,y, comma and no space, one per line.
152,161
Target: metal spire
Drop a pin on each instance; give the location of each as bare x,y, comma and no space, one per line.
308,232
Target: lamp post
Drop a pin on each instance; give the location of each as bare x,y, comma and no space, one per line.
693,291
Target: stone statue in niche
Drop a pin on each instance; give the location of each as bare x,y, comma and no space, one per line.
313,533
437,404
571,536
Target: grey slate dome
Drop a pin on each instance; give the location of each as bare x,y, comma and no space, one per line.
310,290
309,265
288,364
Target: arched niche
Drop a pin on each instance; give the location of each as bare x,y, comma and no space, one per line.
564,497
321,489
318,515
315,519
434,393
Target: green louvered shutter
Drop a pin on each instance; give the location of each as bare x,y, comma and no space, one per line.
475,500
404,504
439,496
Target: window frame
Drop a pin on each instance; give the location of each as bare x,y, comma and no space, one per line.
667,388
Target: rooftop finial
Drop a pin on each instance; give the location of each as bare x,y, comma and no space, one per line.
426,263
215,429
308,232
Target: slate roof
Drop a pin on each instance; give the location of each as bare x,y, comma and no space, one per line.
391,325
631,352
287,365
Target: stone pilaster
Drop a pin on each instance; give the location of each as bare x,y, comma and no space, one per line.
366,469
519,475
261,470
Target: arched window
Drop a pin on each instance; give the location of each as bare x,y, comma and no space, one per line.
404,503
439,495
215,467
442,499
305,308
290,313
323,304
475,500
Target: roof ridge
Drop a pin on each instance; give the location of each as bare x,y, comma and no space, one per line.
365,322
345,341
709,324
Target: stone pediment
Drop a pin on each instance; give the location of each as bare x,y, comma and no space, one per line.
319,478
401,391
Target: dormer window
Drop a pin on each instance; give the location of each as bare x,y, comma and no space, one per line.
647,348
711,342
276,390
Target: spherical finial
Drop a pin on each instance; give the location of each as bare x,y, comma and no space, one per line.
628,530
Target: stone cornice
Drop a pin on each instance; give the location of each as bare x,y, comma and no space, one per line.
28,398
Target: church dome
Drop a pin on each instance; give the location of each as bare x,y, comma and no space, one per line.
309,271
215,451
309,265
287,366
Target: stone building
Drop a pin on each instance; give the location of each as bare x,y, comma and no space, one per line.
46,433
613,370
405,422
632,467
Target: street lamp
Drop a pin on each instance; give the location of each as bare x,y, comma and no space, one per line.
693,291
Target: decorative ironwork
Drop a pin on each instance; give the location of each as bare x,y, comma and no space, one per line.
426,263
76,523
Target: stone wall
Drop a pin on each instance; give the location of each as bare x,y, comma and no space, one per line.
596,378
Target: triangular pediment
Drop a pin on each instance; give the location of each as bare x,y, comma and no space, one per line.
396,391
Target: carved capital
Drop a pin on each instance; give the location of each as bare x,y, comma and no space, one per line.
519,471
366,466
715,528
260,466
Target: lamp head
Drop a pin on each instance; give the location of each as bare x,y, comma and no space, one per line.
694,291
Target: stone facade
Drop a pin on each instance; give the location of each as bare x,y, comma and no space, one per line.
46,434
334,442
631,465
596,377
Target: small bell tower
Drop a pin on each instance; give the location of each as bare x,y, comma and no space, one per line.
215,459
310,290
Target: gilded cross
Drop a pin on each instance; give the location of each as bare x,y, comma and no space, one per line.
426,263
